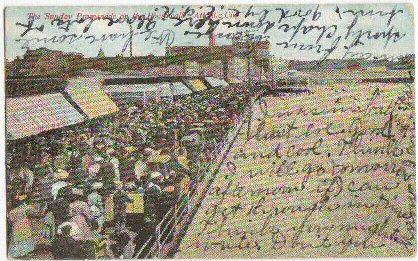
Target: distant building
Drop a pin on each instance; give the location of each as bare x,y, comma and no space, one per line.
44,62
342,64
225,61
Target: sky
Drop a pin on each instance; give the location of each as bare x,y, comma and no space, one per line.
281,31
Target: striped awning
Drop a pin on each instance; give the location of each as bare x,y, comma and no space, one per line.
215,82
174,89
27,116
197,85
130,88
91,99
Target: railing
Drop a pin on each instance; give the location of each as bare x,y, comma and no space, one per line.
166,229
178,216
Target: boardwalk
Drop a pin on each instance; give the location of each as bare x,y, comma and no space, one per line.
329,173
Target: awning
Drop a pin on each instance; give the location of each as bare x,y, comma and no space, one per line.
215,82
197,85
129,88
174,89
91,99
26,116
164,89
125,95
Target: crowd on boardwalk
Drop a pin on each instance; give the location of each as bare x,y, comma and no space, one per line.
98,189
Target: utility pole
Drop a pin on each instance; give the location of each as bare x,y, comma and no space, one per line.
249,82
249,54
130,40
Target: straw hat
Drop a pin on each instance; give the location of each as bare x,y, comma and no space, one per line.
108,142
97,185
98,159
110,151
130,185
149,151
61,174
77,191
157,157
130,149
90,141
94,169
184,162
156,174
22,197
83,137
118,184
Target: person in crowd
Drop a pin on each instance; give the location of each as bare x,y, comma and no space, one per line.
140,171
22,240
121,244
95,203
61,177
48,225
65,246
120,199
94,169
45,168
112,154
134,209
81,215
60,206
86,162
184,184
109,210
16,186
75,162
153,188
27,177
107,176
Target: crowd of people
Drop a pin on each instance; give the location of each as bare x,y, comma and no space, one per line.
100,188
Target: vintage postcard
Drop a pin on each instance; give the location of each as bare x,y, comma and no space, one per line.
226,131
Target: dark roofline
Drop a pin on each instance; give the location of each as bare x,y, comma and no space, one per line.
150,80
140,80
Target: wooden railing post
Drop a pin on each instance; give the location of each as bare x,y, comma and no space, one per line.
175,214
158,239
188,203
